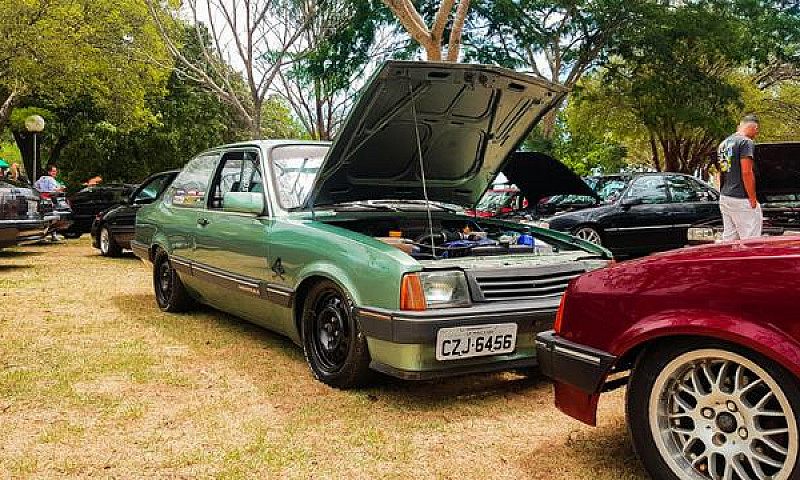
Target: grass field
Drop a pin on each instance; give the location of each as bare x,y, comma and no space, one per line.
96,382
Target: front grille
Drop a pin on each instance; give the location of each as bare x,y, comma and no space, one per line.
500,286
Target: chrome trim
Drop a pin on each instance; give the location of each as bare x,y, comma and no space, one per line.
576,354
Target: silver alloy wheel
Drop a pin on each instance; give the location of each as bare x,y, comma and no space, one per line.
716,414
589,234
105,240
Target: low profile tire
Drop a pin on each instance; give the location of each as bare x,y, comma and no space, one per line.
72,235
590,234
171,295
709,410
108,246
333,344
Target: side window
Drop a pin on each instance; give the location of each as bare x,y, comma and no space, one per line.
151,190
683,189
651,189
190,186
238,172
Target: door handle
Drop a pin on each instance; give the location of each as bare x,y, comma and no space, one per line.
203,222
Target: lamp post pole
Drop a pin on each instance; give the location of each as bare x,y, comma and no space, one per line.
34,124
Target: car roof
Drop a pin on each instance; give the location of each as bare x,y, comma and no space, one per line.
265,144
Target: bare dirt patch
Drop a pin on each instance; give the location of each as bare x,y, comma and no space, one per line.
96,382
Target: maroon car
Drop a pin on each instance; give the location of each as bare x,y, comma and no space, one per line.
708,341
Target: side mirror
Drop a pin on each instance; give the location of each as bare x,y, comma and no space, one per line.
629,202
243,202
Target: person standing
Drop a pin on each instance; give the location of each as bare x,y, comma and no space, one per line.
49,184
741,213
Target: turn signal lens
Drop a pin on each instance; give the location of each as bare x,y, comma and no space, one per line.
411,294
560,315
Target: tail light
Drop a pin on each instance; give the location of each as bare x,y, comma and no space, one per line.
411,295
560,315
44,195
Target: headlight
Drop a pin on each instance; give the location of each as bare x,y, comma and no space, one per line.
437,289
541,224
703,235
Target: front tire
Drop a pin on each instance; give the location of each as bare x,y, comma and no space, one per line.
334,346
108,246
171,295
709,410
589,234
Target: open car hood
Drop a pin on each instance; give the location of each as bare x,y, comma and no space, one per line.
778,166
469,118
538,176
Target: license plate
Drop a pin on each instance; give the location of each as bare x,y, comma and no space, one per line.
33,206
475,341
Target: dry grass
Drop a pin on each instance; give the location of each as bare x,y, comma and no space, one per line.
96,382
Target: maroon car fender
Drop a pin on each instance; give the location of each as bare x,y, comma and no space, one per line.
761,336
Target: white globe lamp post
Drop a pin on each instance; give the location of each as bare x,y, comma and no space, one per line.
34,124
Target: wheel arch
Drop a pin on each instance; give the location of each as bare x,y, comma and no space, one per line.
760,338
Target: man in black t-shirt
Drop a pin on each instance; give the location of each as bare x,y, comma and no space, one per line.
741,213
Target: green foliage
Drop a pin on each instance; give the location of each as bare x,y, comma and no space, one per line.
670,94
107,50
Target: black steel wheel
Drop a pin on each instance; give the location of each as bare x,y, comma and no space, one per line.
334,346
171,295
108,246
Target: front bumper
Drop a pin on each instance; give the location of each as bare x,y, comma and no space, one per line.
579,366
403,343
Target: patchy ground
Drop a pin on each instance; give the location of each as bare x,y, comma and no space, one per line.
96,382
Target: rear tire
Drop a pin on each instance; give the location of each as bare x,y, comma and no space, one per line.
108,246
704,409
333,344
171,295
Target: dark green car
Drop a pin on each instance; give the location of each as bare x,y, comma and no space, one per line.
359,250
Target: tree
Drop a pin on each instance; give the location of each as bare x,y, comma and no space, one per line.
671,94
336,50
63,49
431,39
556,40
257,37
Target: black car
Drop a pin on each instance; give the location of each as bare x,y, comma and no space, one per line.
20,218
642,213
113,229
90,201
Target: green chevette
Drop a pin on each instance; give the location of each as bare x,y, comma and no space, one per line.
359,250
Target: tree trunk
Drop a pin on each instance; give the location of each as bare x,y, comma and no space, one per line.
318,135
25,144
7,107
654,150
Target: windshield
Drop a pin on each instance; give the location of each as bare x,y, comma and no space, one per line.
494,200
295,168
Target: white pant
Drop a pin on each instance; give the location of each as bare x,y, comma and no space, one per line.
741,221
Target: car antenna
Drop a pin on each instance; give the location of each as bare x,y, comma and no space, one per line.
422,167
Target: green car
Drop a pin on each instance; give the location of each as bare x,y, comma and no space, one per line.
360,250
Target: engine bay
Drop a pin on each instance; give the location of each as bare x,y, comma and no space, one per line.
453,237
